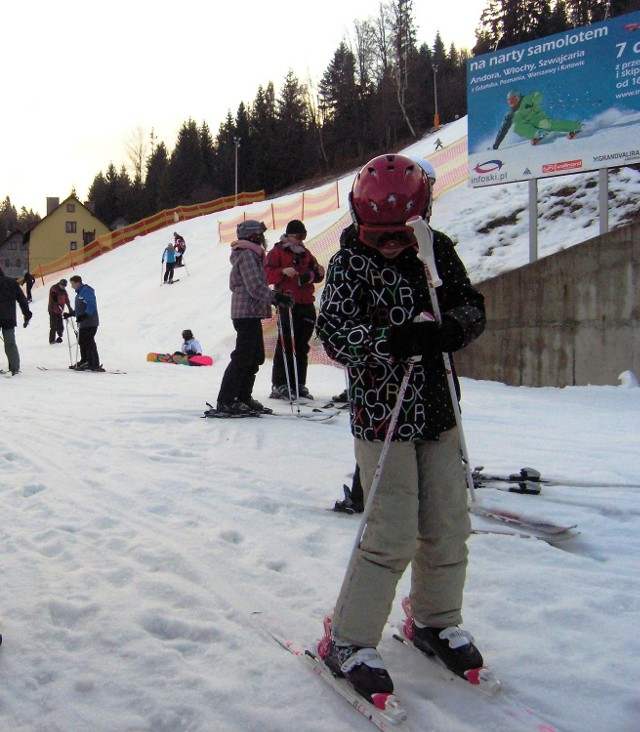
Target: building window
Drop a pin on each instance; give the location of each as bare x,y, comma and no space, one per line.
18,262
70,227
13,245
73,246
71,208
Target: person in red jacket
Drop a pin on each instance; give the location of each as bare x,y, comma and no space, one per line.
294,271
58,298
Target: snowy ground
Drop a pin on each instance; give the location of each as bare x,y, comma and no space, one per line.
138,538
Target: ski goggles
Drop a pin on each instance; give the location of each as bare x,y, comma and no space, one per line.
387,237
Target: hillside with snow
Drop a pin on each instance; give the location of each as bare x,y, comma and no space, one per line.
138,538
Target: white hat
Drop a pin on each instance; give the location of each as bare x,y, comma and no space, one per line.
428,168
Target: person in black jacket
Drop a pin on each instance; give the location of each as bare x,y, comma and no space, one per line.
375,289
28,281
10,294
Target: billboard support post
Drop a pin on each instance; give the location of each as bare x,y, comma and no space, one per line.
533,220
603,199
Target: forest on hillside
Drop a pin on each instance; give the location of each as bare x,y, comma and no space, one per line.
377,94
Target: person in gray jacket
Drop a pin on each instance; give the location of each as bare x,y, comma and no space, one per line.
251,302
86,314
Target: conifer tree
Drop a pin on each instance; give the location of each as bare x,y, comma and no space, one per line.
157,180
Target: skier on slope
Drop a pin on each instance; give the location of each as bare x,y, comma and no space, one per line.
293,269
180,247
419,514
58,300
529,120
85,310
169,259
251,302
10,294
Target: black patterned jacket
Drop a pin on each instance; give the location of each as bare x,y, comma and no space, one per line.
364,295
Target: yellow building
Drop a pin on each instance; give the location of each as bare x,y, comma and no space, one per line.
66,229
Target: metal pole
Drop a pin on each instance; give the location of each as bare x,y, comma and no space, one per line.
533,220
236,142
603,199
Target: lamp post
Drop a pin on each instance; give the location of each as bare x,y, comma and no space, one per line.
436,116
236,142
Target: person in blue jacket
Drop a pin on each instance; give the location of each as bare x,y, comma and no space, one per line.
86,314
169,256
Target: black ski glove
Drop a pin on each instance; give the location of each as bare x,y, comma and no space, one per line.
282,300
425,338
27,318
68,315
80,318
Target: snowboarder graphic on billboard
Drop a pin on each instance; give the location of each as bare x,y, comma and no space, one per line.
529,120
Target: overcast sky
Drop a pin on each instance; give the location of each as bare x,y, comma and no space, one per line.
83,76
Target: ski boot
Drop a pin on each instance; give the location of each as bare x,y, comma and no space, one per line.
362,667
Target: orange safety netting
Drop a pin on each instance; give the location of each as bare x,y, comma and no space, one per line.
113,239
277,215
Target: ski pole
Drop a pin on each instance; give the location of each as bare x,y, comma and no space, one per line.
393,421
425,253
75,332
66,327
284,355
294,361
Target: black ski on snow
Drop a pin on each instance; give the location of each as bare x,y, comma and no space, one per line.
532,476
529,478
313,415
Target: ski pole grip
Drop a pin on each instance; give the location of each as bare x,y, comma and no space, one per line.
425,247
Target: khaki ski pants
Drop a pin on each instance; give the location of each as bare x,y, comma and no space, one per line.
419,515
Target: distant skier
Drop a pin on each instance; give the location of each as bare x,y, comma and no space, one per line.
180,246
529,120
86,314
58,300
169,257
28,281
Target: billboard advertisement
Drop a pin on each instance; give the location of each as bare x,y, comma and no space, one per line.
566,103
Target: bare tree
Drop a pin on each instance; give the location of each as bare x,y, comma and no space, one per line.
363,47
317,112
137,152
380,41
403,44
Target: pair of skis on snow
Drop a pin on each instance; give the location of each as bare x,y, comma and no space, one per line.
298,411
385,711
526,481
81,371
